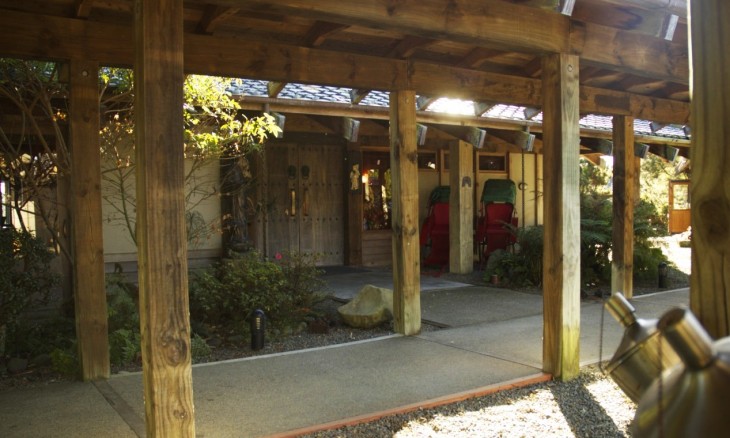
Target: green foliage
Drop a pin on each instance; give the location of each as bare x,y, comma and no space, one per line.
123,319
285,289
64,361
215,128
199,349
26,277
523,266
31,338
124,346
31,159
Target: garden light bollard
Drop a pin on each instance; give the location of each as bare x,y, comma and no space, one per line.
258,326
662,271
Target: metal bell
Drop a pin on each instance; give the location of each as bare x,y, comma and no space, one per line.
693,400
639,358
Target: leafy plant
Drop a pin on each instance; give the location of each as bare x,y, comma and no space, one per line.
199,349
285,289
523,266
123,319
26,277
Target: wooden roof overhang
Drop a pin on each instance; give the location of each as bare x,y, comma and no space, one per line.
632,60
474,49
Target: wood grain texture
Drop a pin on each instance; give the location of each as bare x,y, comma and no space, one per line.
710,155
504,26
406,250
561,257
461,207
162,246
86,222
624,181
28,36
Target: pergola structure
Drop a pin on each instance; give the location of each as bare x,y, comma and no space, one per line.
625,58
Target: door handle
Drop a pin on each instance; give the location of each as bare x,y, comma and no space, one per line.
293,197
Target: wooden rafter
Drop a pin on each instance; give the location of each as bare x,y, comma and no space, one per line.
357,95
273,88
320,30
503,27
213,16
478,56
27,36
83,8
676,7
405,47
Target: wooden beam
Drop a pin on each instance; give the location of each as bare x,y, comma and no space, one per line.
677,7
407,46
86,222
161,241
501,25
523,140
273,88
213,16
26,35
83,8
642,55
561,278
710,214
469,134
320,30
357,95
481,107
624,180
381,113
406,251
461,207
478,56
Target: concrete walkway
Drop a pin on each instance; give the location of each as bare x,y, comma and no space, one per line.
494,336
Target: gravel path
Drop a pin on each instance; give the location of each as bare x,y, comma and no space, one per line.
589,406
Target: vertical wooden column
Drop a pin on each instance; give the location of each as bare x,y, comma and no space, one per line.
710,155
624,177
461,207
86,221
404,177
162,247
561,257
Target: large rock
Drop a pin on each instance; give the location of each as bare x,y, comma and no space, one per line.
371,307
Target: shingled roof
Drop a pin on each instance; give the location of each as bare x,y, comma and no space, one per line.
320,93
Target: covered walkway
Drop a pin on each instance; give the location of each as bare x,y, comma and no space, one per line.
492,340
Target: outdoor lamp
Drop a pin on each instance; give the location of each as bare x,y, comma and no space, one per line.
258,326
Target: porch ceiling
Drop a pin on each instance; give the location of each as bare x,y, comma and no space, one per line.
634,58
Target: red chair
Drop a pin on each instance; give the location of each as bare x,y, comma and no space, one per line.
435,231
497,233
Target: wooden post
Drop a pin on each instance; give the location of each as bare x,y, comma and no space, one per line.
561,259
461,208
86,221
162,247
710,213
404,177
624,175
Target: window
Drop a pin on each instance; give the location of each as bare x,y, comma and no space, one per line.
377,195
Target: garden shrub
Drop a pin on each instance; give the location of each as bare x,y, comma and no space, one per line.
284,289
26,278
523,266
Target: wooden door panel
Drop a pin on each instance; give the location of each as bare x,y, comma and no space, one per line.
313,223
281,224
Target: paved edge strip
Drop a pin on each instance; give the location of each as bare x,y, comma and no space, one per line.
427,404
121,407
